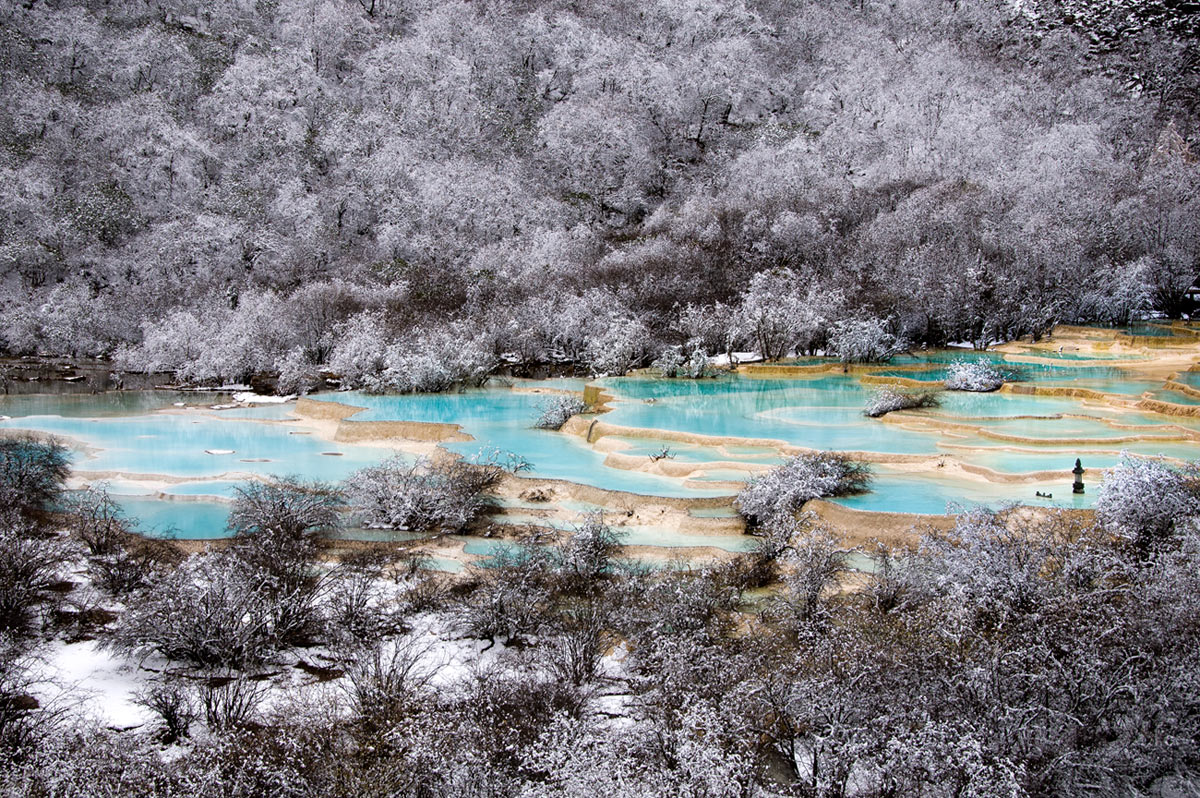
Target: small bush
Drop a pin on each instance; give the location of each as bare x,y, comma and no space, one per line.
98,521
425,497
556,411
32,473
289,506
174,707
976,376
587,554
133,567
212,611
232,701
29,565
672,363
511,599
387,681
782,492
886,400
1146,500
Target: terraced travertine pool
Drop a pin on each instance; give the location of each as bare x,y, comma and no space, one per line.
175,468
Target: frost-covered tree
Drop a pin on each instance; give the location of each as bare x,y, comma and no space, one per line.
556,411
424,496
781,492
1147,500
32,473
672,362
588,551
973,375
886,400
783,314
864,341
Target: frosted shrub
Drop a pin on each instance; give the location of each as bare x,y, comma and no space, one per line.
297,374
29,567
32,473
886,400
435,361
1147,500
556,411
288,507
864,341
211,611
975,376
673,363
814,561
360,352
423,497
588,552
780,493
617,347
98,521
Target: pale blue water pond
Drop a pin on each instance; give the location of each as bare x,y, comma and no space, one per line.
1149,329
1051,354
191,520
102,405
209,451
1175,397
198,444
502,419
919,493
820,413
695,453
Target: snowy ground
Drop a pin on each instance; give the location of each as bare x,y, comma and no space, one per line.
89,680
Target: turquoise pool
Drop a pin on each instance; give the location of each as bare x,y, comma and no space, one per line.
199,444
205,454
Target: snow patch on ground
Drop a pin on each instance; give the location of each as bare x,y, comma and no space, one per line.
251,398
94,681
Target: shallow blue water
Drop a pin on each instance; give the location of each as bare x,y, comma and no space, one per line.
1176,397
190,520
177,444
101,405
918,493
821,412
817,413
1146,329
503,419
1051,354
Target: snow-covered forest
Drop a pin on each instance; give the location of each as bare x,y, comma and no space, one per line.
231,188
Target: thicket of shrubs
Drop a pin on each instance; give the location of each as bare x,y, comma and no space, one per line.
977,376
1014,654
886,400
556,411
781,492
427,496
1009,656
